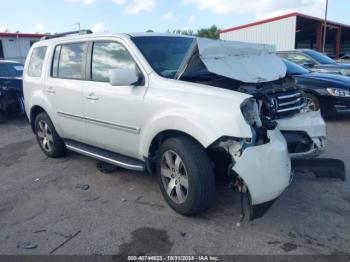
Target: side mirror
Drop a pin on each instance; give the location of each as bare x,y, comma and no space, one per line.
123,77
308,64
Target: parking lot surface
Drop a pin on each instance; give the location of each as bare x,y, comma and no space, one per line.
66,206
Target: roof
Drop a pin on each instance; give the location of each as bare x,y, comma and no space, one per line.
73,37
280,18
20,35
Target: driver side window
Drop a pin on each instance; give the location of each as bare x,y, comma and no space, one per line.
107,56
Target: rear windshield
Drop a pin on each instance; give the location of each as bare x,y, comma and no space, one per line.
164,53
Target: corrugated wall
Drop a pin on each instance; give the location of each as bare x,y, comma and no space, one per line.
16,49
280,33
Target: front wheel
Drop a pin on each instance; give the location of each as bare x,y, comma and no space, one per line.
50,142
185,175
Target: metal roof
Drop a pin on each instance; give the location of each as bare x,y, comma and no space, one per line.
20,35
280,18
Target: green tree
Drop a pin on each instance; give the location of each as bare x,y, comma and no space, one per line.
211,32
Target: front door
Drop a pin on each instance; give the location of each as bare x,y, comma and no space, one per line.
113,114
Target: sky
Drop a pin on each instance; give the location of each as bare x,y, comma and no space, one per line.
52,16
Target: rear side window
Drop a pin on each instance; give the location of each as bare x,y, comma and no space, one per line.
107,56
68,61
36,61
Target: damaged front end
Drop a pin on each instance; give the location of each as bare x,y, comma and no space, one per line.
256,70
259,167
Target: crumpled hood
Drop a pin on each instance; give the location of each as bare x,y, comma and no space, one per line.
246,62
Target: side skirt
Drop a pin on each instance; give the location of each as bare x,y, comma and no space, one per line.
106,156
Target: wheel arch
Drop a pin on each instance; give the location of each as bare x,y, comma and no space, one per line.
34,111
158,139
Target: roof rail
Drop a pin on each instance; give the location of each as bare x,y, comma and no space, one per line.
79,32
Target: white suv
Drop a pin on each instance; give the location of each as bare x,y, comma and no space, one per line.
172,105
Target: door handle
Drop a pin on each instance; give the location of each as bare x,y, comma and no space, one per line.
92,97
50,90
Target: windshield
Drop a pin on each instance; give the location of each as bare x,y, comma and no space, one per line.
164,53
294,69
321,58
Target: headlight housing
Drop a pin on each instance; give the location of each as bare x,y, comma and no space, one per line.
338,92
250,112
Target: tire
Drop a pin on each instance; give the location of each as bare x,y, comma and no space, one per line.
313,102
180,159
45,131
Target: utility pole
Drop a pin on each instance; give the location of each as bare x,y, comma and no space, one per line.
79,24
325,28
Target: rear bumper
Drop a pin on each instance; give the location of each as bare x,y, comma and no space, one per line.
265,169
11,102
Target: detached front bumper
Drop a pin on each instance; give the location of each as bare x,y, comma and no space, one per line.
266,171
308,128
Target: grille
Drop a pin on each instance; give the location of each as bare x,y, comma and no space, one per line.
288,102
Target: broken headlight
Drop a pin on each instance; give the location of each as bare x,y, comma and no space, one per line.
250,112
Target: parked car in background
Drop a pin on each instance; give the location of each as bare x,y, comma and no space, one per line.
344,59
11,92
163,103
329,93
315,61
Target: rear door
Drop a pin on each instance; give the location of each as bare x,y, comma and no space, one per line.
64,89
114,114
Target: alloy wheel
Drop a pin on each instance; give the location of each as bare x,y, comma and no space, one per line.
45,136
174,177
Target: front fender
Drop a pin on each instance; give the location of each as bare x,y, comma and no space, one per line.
206,131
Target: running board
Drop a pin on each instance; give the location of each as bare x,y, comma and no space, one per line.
106,156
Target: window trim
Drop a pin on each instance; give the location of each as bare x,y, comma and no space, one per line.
84,60
89,61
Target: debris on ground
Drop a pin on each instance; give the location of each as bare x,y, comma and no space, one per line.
63,234
39,231
65,242
82,187
287,247
26,245
106,168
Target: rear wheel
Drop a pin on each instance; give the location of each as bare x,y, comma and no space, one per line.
185,175
50,142
313,103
